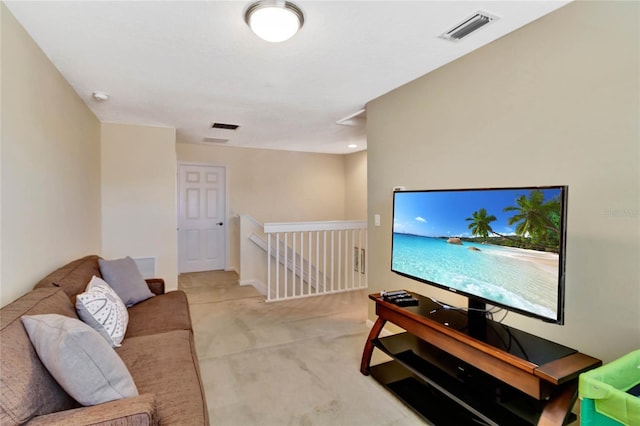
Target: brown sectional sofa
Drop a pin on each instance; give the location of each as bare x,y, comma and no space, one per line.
158,349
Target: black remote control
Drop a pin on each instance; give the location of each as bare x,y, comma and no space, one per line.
392,293
396,296
397,299
407,302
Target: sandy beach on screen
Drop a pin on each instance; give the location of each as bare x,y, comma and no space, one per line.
544,260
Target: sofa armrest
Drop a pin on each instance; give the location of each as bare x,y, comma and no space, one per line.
156,285
139,410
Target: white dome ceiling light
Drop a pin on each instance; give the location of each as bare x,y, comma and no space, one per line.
274,20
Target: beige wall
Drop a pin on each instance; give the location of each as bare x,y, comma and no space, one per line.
50,144
139,216
356,186
277,186
274,186
556,102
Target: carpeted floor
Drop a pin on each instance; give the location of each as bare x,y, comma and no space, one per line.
284,363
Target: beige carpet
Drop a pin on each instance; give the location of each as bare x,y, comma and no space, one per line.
285,363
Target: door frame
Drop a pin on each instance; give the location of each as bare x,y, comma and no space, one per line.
225,168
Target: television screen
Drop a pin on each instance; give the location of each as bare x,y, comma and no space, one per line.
502,246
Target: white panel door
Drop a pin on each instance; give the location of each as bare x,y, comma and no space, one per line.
201,218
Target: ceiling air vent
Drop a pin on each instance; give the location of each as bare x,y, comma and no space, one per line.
469,25
215,140
224,126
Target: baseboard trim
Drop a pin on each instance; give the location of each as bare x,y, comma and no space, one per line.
261,287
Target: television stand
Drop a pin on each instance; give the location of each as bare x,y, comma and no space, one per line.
436,368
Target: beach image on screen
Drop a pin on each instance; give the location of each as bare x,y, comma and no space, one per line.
500,245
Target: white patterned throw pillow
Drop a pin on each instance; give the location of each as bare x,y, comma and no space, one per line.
101,308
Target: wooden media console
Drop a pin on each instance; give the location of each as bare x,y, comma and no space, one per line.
494,375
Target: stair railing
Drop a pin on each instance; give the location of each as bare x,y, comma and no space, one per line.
312,258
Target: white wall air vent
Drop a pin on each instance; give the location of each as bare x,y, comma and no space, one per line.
469,25
146,266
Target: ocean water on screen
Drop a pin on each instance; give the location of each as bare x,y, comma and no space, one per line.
523,279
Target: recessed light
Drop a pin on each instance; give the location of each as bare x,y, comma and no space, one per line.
352,146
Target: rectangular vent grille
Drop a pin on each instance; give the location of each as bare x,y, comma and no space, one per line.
224,126
215,140
146,266
469,25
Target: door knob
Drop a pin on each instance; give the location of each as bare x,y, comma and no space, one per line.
220,223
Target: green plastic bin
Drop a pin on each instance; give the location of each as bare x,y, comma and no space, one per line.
604,400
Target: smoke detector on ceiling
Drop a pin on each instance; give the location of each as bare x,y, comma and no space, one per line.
468,26
100,96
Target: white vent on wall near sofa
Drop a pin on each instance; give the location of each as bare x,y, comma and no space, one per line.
468,25
146,266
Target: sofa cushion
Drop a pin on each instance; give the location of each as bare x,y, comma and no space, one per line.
125,278
165,312
73,277
81,360
166,365
101,309
27,389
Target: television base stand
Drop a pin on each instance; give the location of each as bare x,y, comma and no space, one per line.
505,377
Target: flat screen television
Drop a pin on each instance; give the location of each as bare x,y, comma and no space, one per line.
500,246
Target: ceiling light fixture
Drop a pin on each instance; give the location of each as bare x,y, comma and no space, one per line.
274,20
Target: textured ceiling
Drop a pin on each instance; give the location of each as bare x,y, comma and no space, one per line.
189,64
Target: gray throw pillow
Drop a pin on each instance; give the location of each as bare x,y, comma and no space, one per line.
124,277
80,360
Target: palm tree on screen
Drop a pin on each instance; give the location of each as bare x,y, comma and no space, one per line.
480,223
533,213
535,218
